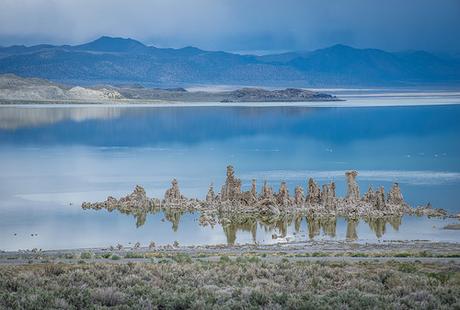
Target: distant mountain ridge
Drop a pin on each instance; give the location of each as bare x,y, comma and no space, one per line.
120,60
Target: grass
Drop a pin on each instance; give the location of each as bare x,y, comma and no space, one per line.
178,282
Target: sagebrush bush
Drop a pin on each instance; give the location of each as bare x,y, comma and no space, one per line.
241,283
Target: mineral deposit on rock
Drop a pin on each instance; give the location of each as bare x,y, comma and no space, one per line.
352,186
231,201
173,194
314,192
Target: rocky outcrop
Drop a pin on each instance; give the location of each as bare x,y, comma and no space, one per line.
369,196
314,193
379,199
429,211
136,201
231,190
394,195
210,196
282,198
328,196
352,186
254,188
299,197
267,192
267,204
173,194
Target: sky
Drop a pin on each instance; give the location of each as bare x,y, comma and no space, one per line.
245,26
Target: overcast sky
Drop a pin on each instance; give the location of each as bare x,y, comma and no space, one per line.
238,25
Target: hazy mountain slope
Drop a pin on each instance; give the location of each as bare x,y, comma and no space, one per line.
126,60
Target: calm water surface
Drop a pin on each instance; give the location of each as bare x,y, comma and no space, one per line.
54,158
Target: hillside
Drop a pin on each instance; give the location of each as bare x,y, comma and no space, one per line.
117,60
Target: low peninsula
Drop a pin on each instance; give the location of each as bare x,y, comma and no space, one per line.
15,89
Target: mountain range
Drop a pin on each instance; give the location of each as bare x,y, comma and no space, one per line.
127,61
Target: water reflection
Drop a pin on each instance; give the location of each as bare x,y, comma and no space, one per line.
278,227
378,226
20,117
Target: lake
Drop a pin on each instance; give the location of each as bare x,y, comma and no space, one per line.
52,158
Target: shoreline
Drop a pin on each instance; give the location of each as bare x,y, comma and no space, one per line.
305,250
349,101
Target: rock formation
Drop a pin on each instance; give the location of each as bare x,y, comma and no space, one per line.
254,188
231,190
314,193
352,186
267,204
369,196
379,199
282,198
394,195
210,196
299,197
267,192
328,195
173,195
136,201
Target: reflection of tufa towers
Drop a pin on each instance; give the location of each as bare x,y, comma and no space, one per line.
273,209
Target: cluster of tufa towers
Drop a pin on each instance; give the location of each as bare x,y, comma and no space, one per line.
316,197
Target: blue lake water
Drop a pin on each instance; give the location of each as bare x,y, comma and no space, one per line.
52,158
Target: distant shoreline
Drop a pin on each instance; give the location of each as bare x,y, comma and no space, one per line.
349,103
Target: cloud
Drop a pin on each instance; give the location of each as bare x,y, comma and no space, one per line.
238,24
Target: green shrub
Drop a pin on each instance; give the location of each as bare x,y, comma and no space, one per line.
86,255
106,255
225,259
115,257
407,267
134,255
253,259
182,258
442,277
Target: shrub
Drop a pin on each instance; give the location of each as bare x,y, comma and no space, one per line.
225,259
86,255
106,255
181,258
407,267
134,255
